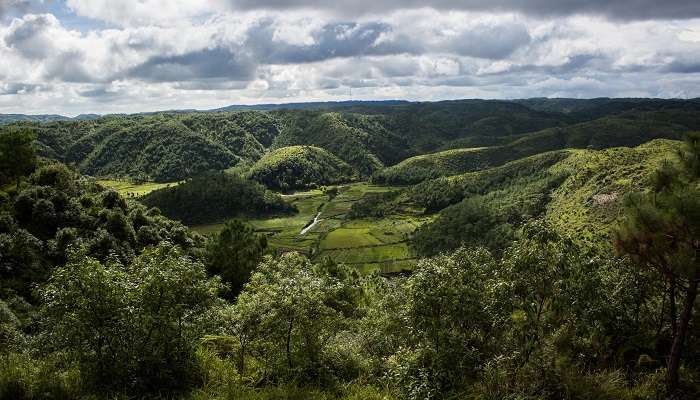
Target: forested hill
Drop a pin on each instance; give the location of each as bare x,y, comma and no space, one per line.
369,136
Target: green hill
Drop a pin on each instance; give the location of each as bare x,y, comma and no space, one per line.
214,197
577,191
298,167
160,147
167,147
629,129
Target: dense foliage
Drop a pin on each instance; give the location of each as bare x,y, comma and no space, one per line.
216,196
628,129
130,327
233,253
661,232
299,167
56,209
578,192
16,155
517,296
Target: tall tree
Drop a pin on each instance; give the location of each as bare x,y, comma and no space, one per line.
661,230
233,253
17,156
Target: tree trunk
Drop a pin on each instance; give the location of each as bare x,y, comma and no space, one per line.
672,305
674,360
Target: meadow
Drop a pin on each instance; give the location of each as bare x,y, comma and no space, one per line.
131,189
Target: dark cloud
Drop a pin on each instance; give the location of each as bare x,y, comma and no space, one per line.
331,41
11,88
616,9
375,38
491,41
218,62
11,7
684,67
28,35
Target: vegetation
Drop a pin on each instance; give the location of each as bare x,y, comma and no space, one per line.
233,253
216,196
300,167
621,130
661,232
579,192
498,281
16,155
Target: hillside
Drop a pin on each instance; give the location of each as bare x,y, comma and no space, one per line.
160,147
171,146
216,196
627,129
297,167
578,191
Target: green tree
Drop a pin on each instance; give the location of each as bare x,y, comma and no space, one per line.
131,327
233,253
17,156
287,315
660,231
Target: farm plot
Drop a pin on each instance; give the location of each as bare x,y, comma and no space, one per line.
367,244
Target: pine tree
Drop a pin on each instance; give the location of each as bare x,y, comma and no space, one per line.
17,156
661,230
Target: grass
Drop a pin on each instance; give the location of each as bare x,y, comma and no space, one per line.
129,189
368,244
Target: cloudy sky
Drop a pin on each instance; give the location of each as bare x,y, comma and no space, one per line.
83,56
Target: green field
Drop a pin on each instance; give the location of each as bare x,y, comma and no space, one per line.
368,244
129,189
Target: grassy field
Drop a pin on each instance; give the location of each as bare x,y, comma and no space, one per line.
368,244
130,189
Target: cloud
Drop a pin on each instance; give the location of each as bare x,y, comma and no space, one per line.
218,62
14,6
31,35
12,88
157,54
617,9
341,39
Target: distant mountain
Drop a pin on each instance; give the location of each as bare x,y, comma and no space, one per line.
398,142
9,118
315,105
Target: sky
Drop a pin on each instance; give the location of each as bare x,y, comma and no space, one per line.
112,56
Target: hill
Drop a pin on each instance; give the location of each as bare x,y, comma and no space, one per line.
627,129
216,196
578,192
171,146
297,167
161,147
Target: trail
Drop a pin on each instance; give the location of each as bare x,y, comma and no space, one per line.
310,226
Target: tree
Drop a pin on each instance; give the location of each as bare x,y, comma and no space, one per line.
132,327
17,157
233,253
286,316
661,230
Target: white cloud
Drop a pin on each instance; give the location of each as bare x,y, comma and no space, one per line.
158,54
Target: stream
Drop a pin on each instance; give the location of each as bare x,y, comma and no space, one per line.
311,225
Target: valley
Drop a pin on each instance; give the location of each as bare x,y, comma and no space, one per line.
368,244
366,249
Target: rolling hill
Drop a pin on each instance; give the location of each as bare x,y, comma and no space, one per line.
298,167
627,129
578,191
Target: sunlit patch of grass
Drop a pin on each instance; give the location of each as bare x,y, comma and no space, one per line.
130,189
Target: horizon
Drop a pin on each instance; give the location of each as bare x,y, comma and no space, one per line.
223,108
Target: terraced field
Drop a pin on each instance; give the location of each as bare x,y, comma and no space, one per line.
368,244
